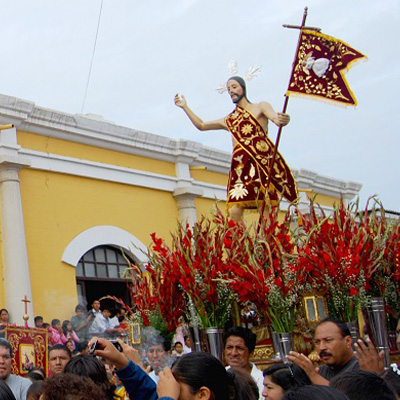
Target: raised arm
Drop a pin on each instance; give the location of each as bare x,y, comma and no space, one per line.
279,119
180,101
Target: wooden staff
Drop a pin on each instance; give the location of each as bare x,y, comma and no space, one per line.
285,104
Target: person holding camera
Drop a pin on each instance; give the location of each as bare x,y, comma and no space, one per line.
127,363
81,322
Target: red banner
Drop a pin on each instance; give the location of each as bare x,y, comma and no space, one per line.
319,68
29,348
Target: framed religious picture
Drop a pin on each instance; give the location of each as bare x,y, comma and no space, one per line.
316,308
135,334
29,348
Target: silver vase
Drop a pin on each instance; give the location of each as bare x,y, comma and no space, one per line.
354,332
214,341
195,343
275,342
377,323
285,344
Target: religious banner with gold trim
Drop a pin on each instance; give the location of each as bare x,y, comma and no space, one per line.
319,68
29,347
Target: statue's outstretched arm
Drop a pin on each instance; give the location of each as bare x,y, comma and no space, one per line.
180,101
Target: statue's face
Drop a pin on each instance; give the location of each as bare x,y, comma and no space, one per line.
235,91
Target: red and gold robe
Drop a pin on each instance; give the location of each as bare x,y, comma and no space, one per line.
251,157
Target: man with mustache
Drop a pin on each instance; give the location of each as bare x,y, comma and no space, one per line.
332,342
252,150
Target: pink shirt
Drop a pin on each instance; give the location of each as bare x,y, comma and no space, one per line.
56,337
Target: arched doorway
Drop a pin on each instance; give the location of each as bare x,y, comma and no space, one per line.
100,272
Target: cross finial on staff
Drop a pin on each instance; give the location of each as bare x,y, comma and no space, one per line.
26,316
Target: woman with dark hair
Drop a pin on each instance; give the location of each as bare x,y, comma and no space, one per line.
90,367
280,378
69,334
5,391
315,392
201,376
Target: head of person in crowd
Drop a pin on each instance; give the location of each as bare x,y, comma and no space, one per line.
71,387
279,379
4,316
187,341
35,390
157,349
39,371
392,377
66,326
59,356
38,321
245,387
178,347
46,325
80,310
239,344
315,392
106,312
109,368
71,346
34,376
363,385
92,368
5,392
398,331
96,306
202,376
6,354
332,342
56,324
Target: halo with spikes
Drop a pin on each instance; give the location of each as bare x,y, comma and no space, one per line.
251,73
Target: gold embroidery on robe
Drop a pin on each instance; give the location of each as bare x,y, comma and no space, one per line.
250,164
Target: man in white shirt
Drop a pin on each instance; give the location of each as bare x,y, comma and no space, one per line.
239,344
18,385
102,325
157,353
187,346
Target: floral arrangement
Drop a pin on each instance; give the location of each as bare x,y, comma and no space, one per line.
262,270
200,267
186,278
349,257
341,255
155,289
388,278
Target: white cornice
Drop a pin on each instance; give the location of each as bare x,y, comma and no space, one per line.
95,131
306,179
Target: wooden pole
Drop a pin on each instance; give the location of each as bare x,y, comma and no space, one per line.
278,137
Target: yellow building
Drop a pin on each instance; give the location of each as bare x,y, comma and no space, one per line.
76,189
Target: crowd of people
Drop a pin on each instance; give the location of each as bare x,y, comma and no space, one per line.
96,366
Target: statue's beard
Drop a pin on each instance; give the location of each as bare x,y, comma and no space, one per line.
238,98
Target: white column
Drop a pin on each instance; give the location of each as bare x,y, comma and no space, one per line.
185,194
187,210
15,260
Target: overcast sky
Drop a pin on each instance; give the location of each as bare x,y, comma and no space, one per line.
148,50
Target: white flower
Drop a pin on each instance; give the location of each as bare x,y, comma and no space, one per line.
238,191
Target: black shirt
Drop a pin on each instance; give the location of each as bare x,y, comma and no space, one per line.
330,372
